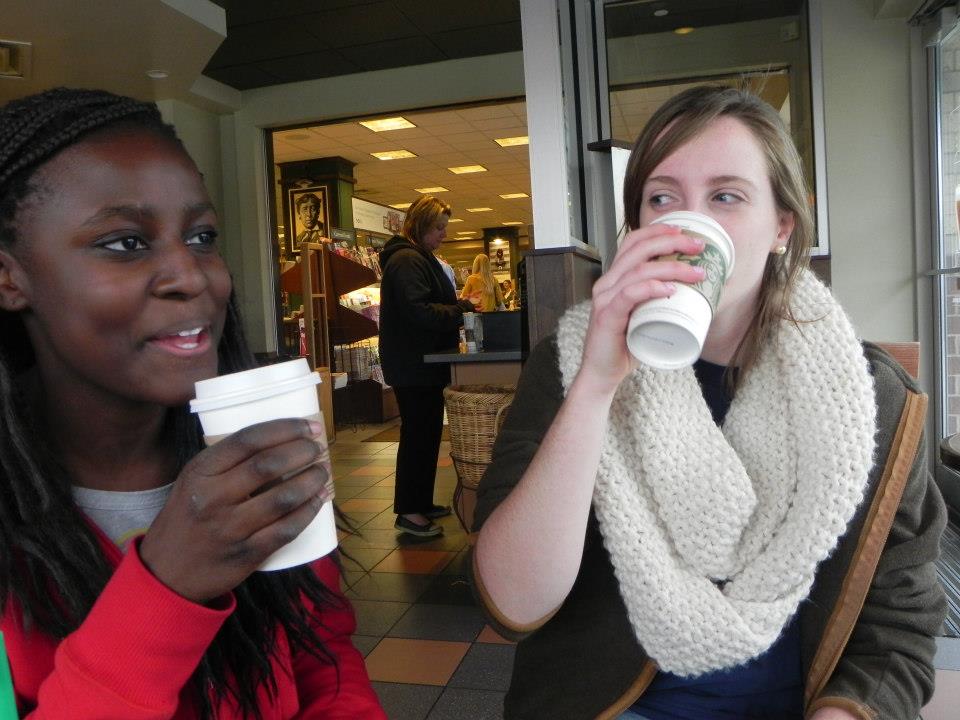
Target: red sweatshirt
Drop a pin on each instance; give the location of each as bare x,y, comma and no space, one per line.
134,653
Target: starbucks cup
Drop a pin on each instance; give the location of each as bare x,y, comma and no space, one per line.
232,402
668,333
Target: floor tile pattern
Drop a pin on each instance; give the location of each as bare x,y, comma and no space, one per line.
429,652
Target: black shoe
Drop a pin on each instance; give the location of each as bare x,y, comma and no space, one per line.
412,528
437,511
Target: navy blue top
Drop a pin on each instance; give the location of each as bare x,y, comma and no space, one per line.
769,686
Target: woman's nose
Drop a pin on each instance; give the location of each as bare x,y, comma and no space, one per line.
179,273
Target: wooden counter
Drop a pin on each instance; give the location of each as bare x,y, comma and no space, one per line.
489,367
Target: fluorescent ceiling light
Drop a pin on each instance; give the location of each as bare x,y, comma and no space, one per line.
512,222
401,206
393,123
463,169
514,196
453,220
393,154
683,30
434,189
660,13
480,209
465,232
512,141
158,74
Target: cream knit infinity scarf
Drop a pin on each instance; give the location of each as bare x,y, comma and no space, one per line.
759,504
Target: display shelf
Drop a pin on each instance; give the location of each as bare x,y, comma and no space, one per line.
321,277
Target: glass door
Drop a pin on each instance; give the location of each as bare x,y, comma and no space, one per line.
944,75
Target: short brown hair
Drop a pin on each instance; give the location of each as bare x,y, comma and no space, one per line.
682,118
422,214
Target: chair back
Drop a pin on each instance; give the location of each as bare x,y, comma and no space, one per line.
905,353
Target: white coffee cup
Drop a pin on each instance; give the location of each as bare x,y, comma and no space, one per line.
232,402
668,333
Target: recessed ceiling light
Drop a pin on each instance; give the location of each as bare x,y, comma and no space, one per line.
466,232
393,123
512,141
393,154
512,222
463,169
453,220
435,189
514,196
401,206
684,30
158,74
497,241
660,13
479,209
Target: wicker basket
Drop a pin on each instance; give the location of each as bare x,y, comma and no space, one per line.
475,414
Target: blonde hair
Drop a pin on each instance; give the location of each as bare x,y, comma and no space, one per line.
492,295
686,115
422,215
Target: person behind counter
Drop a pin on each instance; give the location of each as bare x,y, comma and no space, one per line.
481,289
419,315
128,583
710,542
509,294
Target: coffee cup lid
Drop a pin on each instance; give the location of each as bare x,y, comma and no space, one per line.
249,385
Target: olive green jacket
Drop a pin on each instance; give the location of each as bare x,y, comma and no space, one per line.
867,628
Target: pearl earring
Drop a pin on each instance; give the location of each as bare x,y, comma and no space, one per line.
780,250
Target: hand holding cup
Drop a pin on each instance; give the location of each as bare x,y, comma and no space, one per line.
637,274
668,332
234,505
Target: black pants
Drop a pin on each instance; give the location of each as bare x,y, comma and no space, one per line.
421,427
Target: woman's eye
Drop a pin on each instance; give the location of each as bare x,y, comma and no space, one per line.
726,197
205,237
125,244
658,200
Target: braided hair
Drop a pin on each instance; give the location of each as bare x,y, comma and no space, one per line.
51,562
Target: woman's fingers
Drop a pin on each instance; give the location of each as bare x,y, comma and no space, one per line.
636,284
646,245
277,534
244,444
283,498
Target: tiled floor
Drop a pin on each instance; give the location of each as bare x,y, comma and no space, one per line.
429,652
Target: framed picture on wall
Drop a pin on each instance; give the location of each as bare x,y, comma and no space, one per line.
309,215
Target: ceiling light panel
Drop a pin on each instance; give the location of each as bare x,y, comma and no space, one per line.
434,189
511,222
514,196
480,209
384,124
400,206
512,141
464,169
393,155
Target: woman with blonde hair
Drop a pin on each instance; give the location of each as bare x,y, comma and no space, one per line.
419,315
481,288
753,536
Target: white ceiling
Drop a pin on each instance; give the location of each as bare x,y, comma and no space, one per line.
112,44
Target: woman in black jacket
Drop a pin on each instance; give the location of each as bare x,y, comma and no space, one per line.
419,314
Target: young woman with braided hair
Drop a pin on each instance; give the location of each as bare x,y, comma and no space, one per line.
127,550
750,537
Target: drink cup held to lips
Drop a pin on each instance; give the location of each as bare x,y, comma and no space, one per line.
668,333
232,402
